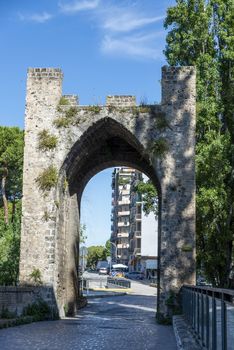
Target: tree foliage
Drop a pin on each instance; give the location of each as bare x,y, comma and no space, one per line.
149,196
10,246
97,253
201,34
11,159
83,233
11,169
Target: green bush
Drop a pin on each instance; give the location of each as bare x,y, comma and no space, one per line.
5,313
40,310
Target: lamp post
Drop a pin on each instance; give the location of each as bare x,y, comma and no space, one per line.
115,246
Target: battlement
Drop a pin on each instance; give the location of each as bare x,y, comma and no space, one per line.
73,100
177,73
51,73
121,101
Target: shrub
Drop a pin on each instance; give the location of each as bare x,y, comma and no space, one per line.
7,314
40,310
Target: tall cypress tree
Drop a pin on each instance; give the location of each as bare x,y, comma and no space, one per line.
201,34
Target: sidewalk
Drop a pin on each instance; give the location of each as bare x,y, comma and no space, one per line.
102,293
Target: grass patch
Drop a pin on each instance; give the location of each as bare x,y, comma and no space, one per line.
187,248
66,120
63,101
46,140
47,179
94,109
144,109
35,276
158,147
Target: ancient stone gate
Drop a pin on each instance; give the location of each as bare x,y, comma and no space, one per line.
66,144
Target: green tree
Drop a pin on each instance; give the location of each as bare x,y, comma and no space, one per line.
108,248
95,253
11,166
201,34
10,246
149,196
83,234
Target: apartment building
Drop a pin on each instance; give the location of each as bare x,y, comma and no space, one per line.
121,185
133,234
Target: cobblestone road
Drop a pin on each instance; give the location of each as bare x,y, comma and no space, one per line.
116,323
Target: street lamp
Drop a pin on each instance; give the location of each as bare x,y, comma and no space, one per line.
115,246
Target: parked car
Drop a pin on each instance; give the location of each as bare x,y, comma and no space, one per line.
134,275
201,281
103,271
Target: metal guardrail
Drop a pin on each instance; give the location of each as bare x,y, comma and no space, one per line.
119,282
210,313
89,283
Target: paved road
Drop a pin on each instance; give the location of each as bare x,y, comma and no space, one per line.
138,287
116,323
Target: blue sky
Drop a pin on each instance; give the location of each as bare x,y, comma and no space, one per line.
104,47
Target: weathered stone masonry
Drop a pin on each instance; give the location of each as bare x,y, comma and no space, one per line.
158,140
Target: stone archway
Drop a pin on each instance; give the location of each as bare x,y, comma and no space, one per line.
80,141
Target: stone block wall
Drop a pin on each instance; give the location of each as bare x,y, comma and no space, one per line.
15,299
121,101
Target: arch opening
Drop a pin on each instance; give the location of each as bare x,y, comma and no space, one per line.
105,144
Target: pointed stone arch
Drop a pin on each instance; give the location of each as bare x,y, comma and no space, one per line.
158,140
106,143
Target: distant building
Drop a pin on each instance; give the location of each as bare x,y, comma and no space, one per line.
121,184
133,234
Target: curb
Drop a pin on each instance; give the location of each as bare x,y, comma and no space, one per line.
105,295
185,339
109,290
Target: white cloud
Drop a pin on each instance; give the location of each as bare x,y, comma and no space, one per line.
79,6
36,17
128,21
138,46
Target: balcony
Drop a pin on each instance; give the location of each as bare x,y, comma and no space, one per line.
125,191
138,217
122,235
137,233
137,252
122,245
123,224
123,213
123,202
